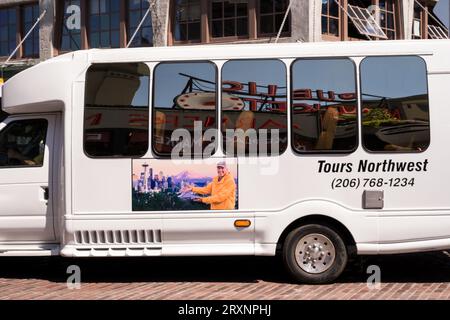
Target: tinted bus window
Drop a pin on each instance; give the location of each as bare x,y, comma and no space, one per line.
254,107
184,98
22,143
324,105
394,104
116,110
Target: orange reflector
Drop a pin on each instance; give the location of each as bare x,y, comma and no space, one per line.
242,223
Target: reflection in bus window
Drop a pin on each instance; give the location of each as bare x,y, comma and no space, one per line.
22,143
324,108
185,99
395,114
116,113
254,107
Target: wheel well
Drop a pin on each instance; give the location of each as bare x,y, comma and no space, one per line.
325,221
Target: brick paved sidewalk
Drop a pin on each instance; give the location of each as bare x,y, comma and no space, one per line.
415,276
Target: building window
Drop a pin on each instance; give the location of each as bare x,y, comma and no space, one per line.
435,29
417,27
104,23
353,32
271,15
330,18
8,29
254,107
184,97
117,110
436,32
136,12
395,107
229,19
387,18
363,19
425,23
30,14
71,29
324,106
187,25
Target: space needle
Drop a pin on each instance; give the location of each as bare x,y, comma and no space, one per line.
145,166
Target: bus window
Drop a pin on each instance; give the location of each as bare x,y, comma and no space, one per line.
254,107
3,115
395,114
116,110
324,106
22,143
184,108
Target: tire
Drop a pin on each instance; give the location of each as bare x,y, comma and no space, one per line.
314,254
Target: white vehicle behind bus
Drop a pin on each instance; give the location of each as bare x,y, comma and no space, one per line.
315,151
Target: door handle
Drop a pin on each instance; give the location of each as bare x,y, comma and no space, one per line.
46,193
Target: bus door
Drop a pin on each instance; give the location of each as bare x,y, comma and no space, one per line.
26,159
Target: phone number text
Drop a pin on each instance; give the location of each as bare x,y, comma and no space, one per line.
355,183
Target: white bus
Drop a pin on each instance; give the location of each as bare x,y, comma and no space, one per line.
344,153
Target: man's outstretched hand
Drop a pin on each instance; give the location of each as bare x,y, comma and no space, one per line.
187,188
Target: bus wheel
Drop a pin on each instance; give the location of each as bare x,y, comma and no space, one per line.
314,254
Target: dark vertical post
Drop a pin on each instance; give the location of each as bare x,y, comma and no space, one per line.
84,14
123,24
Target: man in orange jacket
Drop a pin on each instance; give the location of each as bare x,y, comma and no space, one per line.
221,191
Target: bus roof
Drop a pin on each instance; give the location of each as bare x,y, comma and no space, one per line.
270,50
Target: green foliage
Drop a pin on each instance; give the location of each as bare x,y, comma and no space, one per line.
377,117
164,201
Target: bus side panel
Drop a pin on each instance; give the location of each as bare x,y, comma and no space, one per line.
362,225
430,217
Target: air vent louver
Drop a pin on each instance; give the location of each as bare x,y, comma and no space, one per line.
126,237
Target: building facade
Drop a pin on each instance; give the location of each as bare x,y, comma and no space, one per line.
69,25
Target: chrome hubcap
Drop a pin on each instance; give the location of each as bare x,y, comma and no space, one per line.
315,253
